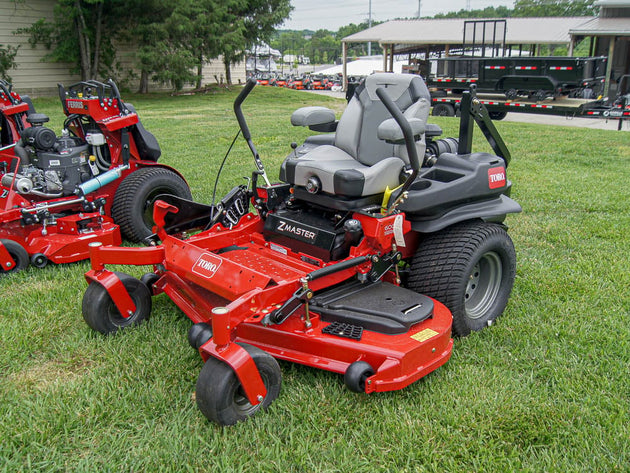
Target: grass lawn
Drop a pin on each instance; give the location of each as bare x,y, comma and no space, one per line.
544,389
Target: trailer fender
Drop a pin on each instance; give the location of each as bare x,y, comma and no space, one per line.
526,83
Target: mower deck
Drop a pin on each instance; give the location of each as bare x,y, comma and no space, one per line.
406,337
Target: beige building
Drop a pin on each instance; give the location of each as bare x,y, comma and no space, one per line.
36,77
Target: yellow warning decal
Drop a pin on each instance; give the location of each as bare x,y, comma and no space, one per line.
424,335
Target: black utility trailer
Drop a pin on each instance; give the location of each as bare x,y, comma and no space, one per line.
535,77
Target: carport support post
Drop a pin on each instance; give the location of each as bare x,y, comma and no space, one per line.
391,58
344,67
611,51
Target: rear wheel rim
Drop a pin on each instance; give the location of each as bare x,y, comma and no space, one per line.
483,285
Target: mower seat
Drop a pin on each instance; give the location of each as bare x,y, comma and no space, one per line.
358,163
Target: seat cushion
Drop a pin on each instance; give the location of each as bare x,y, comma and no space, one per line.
340,174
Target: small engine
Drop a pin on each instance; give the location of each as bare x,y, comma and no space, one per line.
50,166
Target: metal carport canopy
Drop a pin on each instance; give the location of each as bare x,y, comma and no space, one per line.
432,32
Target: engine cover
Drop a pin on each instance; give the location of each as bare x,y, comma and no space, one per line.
65,169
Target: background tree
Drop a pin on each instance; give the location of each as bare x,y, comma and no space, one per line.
7,60
251,21
533,8
81,33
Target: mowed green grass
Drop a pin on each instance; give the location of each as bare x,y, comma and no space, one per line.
544,389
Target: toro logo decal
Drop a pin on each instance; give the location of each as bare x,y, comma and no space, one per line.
206,265
74,104
496,177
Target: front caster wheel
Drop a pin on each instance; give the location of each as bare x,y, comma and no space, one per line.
220,396
469,267
101,314
356,375
199,334
19,255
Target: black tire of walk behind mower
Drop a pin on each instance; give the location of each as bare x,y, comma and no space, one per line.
131,207
470,268
220,396
19,255
101,314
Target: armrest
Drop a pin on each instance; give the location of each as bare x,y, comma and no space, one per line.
391,132
312,116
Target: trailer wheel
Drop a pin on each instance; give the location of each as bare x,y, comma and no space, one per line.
443,110
19,255
356,375
497,115
540,95
220,396
511,94
132,208
101,314
470,267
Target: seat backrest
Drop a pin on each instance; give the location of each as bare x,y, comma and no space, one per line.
356,131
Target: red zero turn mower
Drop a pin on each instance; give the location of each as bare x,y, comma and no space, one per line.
58,194
343,263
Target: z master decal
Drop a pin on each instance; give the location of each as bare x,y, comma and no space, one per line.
206,265
294,230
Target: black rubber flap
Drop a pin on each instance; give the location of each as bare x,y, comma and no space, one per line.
379,307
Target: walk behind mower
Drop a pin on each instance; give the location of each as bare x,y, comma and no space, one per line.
58,194
339,266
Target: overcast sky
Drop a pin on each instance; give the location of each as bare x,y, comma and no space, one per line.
331,14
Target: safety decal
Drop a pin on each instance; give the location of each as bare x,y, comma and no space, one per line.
424,335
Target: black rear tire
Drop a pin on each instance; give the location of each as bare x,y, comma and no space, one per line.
19,255
220,396
470,267
132,208
101,314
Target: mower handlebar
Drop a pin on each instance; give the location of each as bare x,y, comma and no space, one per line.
6,88
404,126
116,92
249,85
410,143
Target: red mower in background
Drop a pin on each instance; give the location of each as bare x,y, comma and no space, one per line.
98,179
343,263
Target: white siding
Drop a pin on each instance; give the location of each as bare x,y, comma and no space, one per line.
33,76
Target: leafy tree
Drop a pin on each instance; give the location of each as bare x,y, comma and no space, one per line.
250,21
81,33
488,12
7,60
164,59
534,8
